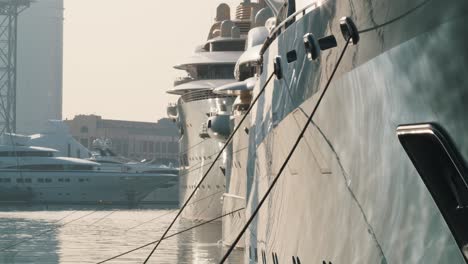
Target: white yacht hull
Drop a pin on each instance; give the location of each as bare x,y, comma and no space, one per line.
234,198
199,153
350,194
79,187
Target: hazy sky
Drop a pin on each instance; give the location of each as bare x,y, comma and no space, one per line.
118,54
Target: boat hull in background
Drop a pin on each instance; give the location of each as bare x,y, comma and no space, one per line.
197,154
52,187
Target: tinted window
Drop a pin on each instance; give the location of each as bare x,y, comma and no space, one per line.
208,72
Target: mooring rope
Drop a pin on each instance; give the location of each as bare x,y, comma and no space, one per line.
211,167
286,161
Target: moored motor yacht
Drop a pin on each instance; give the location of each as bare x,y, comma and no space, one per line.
35,174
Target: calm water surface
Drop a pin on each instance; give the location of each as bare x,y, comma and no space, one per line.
87,235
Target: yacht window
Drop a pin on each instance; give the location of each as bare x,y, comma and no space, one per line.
26,154
28,180
81,180
67,180
222,71
7,180
60,179
246,71
19,180
48,180
228,45
109,162
242,107
54,167
40,180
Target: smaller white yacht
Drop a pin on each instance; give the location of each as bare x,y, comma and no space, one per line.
36,174
103,154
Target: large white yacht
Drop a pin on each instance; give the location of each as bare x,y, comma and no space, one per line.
211,66
238,156
36,175
357,146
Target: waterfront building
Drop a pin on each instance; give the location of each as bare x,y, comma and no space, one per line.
135,140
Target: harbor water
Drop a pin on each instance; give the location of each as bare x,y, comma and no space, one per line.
90,235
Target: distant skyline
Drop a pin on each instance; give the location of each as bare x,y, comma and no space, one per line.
118,56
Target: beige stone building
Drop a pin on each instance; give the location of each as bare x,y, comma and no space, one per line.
134,140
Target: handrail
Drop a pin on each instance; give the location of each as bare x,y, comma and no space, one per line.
201,95
284,24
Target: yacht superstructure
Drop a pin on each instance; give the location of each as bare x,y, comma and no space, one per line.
211,66
379,175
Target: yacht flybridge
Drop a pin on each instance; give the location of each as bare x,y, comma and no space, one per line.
37,175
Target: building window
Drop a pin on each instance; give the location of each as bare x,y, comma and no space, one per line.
84,129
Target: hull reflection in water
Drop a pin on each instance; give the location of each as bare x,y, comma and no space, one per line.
77,235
